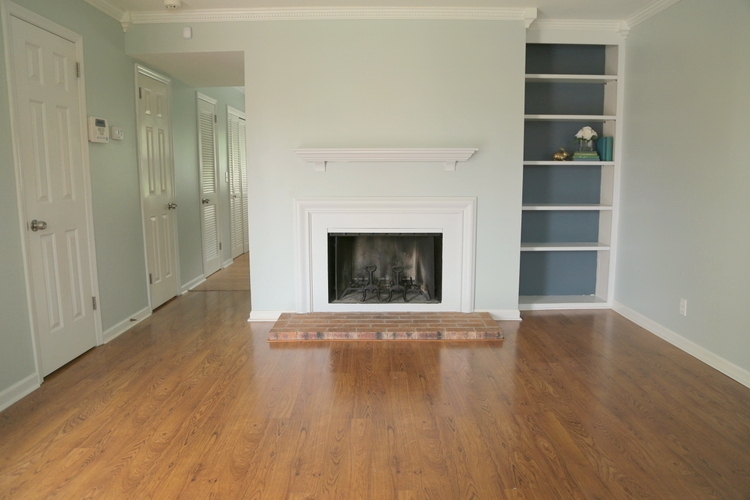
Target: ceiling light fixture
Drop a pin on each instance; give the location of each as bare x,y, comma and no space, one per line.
172,4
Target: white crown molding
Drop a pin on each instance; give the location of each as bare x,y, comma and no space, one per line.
333,13
575,24
649,12
620,27
447,156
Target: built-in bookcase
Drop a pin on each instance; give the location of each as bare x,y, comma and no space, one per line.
568,207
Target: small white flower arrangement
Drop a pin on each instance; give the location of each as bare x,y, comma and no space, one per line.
586,134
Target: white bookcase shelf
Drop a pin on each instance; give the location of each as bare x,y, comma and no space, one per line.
571,118
551,163
570,200
556,78
559,207
564,247
547,302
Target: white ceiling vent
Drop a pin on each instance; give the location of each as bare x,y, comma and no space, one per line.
172,4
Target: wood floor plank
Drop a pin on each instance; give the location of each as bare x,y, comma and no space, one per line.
194,403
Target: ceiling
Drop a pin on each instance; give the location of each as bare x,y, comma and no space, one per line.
226,69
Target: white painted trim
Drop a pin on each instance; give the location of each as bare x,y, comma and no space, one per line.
264,316
19,390
305,209
503,314
447,156
126,324
576,24
234,111
701,353
227,263
649,12
192,284
333,13
8,10
152,74
204,97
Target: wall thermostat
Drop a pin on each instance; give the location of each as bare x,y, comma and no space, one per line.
98,129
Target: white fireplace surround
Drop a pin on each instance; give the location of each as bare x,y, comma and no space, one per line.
314,218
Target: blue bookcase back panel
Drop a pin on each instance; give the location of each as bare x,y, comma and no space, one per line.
569,182
548,98
558,273
559,227
565,59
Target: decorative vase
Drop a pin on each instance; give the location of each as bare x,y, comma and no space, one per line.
586,145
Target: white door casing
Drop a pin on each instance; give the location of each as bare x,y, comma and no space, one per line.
237,156
209,184
53,185
156,170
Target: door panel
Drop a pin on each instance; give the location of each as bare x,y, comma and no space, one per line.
46,98
209,177
157,187
235,183
243,177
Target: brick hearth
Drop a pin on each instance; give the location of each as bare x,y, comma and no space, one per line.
385,326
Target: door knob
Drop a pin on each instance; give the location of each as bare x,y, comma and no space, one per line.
172,206
38,225
206,201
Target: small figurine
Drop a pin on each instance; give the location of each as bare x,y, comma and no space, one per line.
561,155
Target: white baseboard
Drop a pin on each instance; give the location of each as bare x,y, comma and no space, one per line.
258,316
125,325
503,314
18,390
192,284
701,353
228,263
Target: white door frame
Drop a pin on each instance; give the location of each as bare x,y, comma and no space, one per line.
143,70
10,9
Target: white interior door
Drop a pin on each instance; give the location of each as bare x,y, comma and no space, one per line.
243,176
209,175
236,150
55,184
157,184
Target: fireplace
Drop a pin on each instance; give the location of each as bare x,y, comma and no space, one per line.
391,268
325,223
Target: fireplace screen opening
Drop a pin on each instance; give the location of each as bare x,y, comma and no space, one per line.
385,267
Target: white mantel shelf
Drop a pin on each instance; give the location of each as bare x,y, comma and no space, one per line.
447,156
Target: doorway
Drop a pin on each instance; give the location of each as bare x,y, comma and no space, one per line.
154,123
53,185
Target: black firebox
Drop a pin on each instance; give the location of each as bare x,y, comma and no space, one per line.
385,267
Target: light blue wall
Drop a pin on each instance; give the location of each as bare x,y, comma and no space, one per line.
684,227
374,84
114,178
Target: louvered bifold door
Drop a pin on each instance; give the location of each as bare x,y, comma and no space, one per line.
243,177
209,175
235,185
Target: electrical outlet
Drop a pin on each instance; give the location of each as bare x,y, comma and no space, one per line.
683,307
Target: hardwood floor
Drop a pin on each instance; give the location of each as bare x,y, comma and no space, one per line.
194,403
234,277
